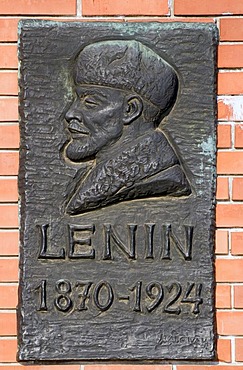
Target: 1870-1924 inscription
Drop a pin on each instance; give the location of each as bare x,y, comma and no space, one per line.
117,190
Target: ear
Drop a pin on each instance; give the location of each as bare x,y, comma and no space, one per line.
133,109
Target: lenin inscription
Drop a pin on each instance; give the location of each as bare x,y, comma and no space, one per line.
117,186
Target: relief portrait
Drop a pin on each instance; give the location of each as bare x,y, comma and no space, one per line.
123,91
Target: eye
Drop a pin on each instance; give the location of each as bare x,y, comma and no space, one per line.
90,101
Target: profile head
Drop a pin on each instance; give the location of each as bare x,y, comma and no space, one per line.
128,65
116,83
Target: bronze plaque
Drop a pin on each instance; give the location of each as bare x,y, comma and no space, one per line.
117,186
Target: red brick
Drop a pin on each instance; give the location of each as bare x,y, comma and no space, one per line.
54,367
37,7
222,188
238,349
125,7
9,163
222,242
9,270
238,296
229,215
230,56
9,29
168,20
230,163
223,296
135,19
8,215
8,349
237,243
11,328
8,296
237,189
199,7
208,367
9,136
229,270
230,83
41,367
86,19
9,241
8,82
224,111
230,108
231,29
224,350
230,323
128,367
224,136
239,136
8,56
8,190
9,109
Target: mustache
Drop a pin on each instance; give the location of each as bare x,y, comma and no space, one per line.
76,126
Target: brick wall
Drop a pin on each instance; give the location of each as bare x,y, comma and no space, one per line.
228,15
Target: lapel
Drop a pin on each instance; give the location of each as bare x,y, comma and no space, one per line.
147,167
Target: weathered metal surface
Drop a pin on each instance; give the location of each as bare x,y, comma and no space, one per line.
117,185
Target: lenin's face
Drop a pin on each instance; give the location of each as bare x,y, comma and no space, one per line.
95,120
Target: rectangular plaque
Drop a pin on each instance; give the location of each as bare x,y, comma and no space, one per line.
117,186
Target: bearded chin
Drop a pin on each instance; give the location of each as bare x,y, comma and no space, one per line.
77,151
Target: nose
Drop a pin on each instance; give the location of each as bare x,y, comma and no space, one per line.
73,113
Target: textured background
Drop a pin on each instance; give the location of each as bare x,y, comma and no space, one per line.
118,333
229,236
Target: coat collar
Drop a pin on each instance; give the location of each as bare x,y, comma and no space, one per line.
114,179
